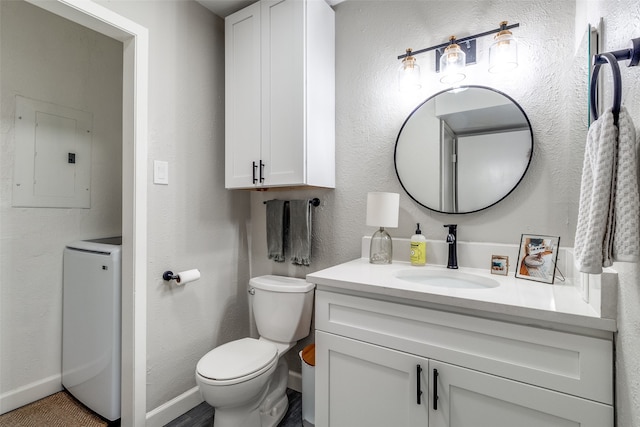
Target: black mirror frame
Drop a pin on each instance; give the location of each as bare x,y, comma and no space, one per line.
395,164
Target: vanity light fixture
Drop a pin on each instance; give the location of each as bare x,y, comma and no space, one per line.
409,73
453,56
452,63
382,211
503,53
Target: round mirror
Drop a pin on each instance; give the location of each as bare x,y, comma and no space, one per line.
463,150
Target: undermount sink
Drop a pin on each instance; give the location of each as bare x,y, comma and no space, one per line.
446,279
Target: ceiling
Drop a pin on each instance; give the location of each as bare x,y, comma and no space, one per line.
223,8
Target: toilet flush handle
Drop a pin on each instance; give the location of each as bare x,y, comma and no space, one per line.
252,291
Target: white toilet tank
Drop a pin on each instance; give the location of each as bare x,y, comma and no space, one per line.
282,307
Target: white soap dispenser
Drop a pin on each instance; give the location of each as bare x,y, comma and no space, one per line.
418,248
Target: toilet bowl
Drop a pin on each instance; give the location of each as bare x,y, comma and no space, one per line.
246,380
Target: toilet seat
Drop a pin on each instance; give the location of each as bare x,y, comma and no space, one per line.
237,361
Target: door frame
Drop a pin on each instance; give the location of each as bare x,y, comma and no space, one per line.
135,40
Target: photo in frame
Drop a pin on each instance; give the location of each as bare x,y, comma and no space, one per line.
537,257
500,265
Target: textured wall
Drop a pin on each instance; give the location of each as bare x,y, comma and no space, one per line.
549,84
50,59
193,222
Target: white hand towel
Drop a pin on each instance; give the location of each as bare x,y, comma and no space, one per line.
594,213
608,226
626,236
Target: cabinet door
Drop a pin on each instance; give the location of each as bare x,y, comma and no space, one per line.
467,398
359,384
242,97
283,92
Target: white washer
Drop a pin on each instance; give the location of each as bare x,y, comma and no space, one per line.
91,324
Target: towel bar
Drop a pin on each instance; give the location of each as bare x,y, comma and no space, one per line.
315,202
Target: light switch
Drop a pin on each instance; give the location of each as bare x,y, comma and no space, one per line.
160,172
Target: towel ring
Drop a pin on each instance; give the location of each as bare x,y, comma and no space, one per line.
617,84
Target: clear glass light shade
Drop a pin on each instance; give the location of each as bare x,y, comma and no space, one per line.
381,249
452,63
503,53
409,75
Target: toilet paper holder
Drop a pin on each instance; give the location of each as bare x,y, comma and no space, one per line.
168,275
183,277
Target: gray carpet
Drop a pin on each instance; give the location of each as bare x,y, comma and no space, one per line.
202,415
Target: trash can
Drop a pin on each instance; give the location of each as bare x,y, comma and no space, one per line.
308,358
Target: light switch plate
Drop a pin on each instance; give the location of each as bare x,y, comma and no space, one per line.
160,172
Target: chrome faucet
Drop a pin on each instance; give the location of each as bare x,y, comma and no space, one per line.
452,240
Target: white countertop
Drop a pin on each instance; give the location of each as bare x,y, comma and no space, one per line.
530,301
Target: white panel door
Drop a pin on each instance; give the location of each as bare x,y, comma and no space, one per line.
479,185
467,398
359,384
242,98
283,85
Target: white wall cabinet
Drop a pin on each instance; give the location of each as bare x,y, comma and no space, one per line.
280,95
474,372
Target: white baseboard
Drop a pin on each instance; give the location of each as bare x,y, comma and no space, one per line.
295,381
29,393
177,406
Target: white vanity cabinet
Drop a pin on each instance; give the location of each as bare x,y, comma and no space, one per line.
375,357
368,385
280,95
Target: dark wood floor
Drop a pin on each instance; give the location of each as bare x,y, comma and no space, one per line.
202,415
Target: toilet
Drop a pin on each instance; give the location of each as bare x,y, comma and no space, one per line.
246,380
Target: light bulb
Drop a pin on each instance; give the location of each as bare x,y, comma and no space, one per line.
409,74
503,53
452,63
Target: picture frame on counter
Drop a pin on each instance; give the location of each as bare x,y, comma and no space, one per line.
537,257
500,265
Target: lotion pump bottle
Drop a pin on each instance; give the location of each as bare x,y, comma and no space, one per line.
418,248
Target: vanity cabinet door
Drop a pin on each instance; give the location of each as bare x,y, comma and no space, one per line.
467,398
360,384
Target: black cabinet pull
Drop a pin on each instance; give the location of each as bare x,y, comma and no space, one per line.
261,171
435,389
254,172
418,390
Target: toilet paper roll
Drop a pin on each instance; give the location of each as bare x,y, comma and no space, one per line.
185,277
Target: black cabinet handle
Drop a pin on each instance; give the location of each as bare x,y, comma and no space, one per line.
261,171
254,172
418,390
435,389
